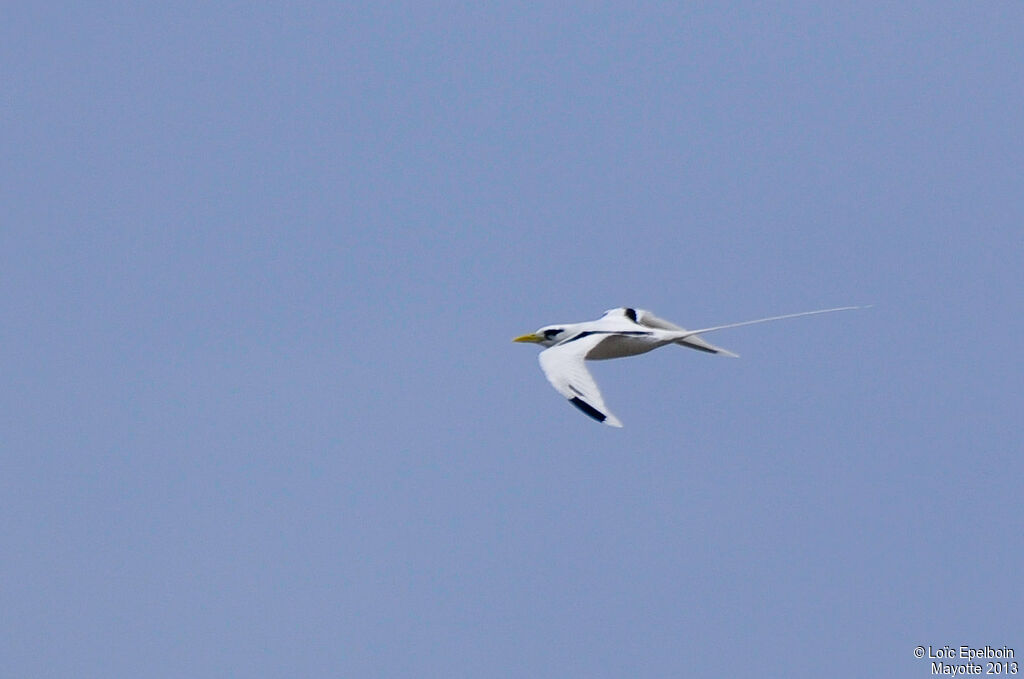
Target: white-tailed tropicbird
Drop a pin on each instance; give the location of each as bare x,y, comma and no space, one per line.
618,333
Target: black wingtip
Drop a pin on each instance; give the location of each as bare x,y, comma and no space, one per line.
588,409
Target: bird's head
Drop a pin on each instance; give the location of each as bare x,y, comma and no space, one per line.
546,336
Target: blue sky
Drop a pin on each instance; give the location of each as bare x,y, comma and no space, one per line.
261,266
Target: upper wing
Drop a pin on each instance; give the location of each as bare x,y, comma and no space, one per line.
563,366
644,317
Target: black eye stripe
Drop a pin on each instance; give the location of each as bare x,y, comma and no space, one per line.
631,314
551,332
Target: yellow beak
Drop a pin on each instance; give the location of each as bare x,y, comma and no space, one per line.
532,337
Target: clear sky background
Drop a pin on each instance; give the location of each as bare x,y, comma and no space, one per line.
261,265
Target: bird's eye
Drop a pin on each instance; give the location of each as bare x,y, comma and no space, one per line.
551,332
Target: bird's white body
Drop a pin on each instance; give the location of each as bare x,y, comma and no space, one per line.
618,333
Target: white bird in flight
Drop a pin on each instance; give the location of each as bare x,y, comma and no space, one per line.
619,332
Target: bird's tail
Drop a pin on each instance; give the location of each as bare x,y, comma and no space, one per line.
699,343
777,318
692,339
